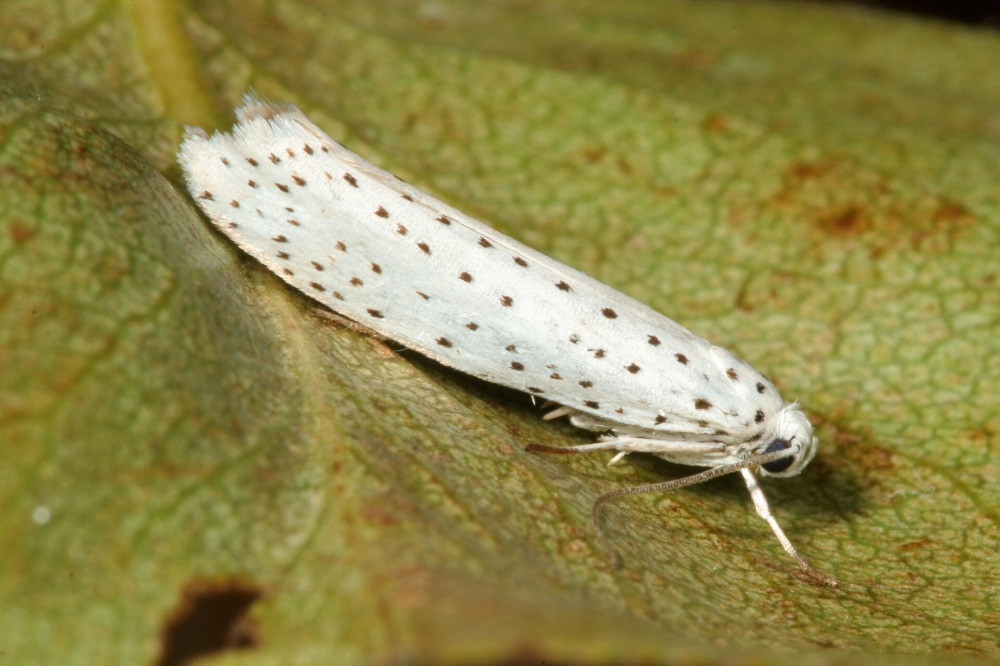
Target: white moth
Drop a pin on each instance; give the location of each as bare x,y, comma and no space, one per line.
415,270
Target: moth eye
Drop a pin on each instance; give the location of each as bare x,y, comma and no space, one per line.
780,465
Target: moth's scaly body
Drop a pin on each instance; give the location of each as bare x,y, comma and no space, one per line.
390,256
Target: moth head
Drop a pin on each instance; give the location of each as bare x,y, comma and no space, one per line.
792,433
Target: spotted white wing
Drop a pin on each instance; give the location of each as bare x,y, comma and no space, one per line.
390,256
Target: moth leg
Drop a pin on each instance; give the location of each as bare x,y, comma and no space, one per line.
681,452
617,457
764,511
698,453
664,447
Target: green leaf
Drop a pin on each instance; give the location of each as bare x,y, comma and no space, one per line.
193,449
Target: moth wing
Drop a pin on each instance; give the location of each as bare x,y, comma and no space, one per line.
418,271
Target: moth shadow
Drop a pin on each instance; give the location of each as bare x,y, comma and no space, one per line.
823,491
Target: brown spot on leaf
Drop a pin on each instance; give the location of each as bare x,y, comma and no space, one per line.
915,545
594,153
849,220
810,170
715,123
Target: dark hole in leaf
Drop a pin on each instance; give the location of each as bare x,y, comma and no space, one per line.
212,616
